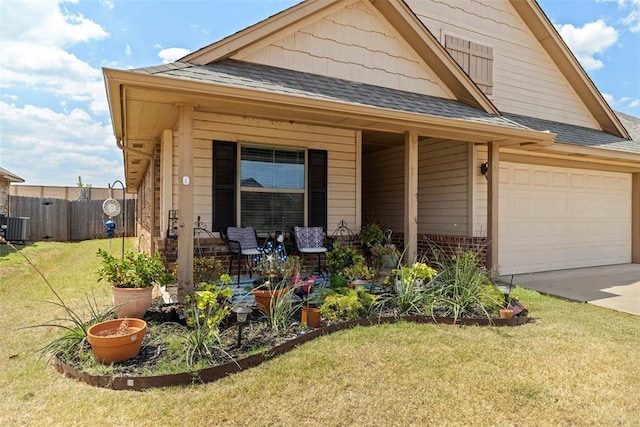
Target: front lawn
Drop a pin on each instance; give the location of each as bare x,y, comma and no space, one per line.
576,364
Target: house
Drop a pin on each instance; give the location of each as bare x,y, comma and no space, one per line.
6,178
451,121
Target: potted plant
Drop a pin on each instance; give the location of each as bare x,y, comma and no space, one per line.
370,234
277,270
132,279
339,258
310,315
358,274
386,256
116,340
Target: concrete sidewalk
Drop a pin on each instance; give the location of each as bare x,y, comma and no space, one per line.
615,286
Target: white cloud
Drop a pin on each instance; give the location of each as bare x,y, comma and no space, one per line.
127,51
623,103
43,22
58,146
33,51
632,19
588,41
172,54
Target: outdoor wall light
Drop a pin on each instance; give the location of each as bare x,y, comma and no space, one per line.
242,313
484,168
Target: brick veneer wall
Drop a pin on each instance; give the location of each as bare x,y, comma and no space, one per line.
208,247
429,243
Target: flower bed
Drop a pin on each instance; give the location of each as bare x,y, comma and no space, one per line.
216,372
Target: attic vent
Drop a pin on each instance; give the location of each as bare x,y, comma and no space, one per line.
136,162
475,59
138,145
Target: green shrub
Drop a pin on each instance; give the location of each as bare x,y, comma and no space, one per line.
370,234
339,258
351,304
207,269
208,306
337,281
135,270
358,271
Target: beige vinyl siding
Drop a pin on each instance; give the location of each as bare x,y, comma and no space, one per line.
383,188
443,188
526,81
340,145
353,44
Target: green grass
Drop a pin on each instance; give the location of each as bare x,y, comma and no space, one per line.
576,364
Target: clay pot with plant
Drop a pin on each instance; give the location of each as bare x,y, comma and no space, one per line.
132,279
116,340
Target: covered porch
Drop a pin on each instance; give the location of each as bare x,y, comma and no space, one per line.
405,160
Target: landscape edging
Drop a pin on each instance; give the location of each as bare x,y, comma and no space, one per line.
216,372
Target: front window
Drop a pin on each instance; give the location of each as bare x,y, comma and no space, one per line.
272,188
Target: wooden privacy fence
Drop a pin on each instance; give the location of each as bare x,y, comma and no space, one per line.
63,220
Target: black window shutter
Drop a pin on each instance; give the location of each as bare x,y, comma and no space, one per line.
224,185
317,179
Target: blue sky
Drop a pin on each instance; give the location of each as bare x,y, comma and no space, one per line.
54,121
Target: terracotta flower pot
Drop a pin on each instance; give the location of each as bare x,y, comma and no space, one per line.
506,313
131,302
116,340
263,298
311,316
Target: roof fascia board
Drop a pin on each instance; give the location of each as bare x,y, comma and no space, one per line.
114,99
568,154
333,108
263,29
409,26
544,31
560,147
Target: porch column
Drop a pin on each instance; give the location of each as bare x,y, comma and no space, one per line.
635,218
185,200
166,179
493,177
410,196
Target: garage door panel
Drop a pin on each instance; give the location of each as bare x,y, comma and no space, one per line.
556,218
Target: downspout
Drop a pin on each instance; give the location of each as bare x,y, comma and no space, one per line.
121,146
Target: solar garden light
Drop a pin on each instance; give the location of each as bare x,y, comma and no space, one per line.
242,312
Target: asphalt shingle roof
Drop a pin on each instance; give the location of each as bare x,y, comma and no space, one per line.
579,135
266,78
246,75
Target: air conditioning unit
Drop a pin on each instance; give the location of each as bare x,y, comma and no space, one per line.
17,229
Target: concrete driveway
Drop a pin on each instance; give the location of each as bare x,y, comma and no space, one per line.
615,286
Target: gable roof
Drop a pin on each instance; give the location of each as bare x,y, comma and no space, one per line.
397,13
409,26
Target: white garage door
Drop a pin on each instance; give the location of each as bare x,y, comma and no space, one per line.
556,218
